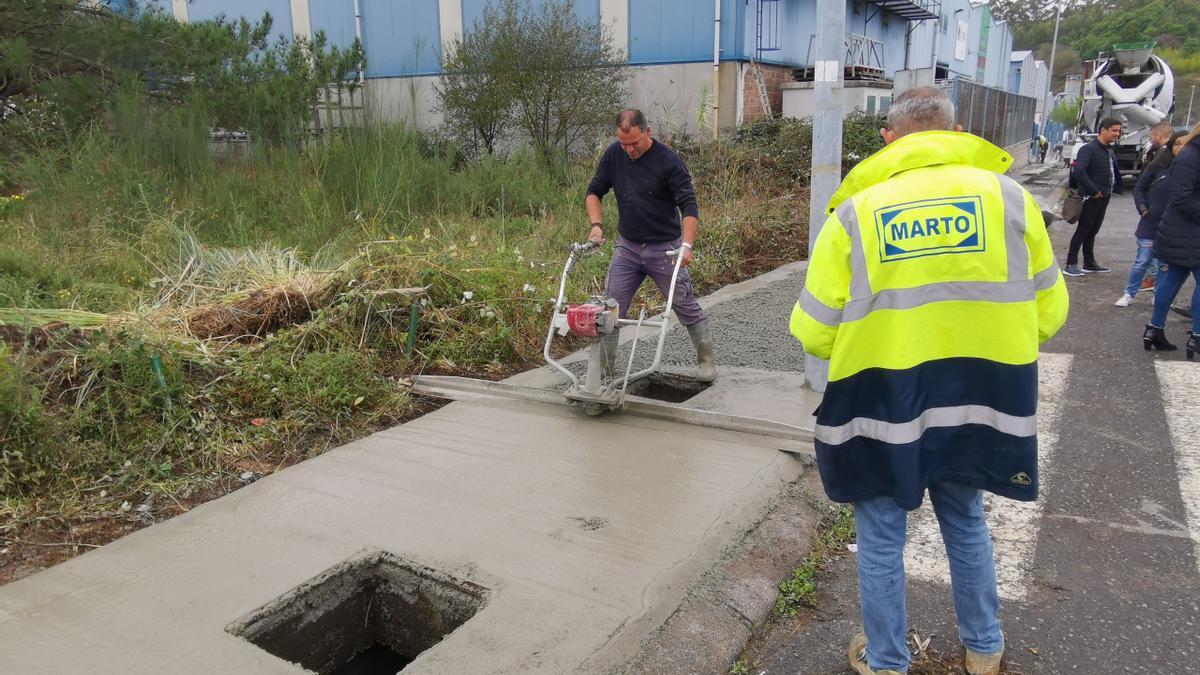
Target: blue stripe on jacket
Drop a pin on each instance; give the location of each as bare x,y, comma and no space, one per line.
902,395
974,455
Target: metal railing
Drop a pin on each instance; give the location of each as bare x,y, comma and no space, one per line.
999,116
863,51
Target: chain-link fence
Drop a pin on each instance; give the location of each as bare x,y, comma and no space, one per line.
1002,117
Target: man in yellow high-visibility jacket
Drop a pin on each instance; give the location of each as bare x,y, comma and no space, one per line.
930,287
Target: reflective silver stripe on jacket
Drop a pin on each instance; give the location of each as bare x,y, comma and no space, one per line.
908,432
819,310
1017,288
943,291
1014,228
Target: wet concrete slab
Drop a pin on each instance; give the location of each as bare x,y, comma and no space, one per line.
586,533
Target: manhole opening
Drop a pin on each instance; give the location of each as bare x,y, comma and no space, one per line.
667,387
370,615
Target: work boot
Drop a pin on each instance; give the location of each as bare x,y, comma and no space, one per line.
983,664
1154,337
1148,283
701,336
608,353
858,657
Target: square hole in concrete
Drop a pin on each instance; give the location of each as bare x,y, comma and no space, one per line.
668,387
369,615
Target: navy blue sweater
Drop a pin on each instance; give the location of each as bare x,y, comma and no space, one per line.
1178,240
1095,170
652,192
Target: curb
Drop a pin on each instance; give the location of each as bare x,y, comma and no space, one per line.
722,608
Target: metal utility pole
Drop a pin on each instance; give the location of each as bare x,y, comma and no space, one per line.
1190,99
827,140
1050,69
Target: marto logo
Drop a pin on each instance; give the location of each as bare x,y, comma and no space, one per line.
930,227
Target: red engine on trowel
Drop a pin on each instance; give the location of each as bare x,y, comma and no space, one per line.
594,318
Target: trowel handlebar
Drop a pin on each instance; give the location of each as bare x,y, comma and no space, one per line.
578,250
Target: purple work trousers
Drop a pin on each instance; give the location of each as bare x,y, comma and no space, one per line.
633,262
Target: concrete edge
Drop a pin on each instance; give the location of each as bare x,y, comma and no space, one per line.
723,607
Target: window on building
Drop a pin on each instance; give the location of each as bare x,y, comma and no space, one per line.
943,23
870,105
885,104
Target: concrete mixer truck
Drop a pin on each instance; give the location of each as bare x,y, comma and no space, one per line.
1134,86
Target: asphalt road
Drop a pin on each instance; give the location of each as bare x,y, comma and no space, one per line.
1102,575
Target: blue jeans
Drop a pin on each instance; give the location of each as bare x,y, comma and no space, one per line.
1169,283
882,531
1143,264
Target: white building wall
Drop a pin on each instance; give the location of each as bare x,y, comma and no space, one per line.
670,95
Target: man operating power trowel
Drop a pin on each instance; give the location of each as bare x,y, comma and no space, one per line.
658,213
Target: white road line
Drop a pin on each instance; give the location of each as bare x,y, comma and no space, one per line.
1014,524
1180,382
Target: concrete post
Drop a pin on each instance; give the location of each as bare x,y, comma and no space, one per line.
179,10
301,23
615,15
450,19
1050,72
827,140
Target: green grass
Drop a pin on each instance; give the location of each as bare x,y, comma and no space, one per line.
834,532
144,257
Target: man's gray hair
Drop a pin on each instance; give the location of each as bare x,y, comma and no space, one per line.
920,109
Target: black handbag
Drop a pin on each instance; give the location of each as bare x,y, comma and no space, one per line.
1073,207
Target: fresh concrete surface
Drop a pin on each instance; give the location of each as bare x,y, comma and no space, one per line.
595,537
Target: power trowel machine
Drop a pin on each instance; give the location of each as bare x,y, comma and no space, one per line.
601,389
598,321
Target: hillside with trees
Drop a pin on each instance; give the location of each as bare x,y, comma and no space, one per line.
1091,26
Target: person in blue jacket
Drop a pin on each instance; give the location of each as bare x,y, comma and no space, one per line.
1178,245
1150,197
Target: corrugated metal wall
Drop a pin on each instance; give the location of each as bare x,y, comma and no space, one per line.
403,37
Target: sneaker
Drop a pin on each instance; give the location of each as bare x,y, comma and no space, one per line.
858,657
1072,271
1124,301
983,664
1095,268
1182,311
1148,284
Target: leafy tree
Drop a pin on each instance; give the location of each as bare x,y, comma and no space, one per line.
536,67
572,81
474,89
1066,113
1092,27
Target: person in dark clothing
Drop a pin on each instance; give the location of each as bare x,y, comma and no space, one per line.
1094,175
1150,197
1178,245
657,212
1160,137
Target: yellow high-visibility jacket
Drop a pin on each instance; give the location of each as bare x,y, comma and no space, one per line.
930,287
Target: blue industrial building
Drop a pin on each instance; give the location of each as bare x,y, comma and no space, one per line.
671,43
